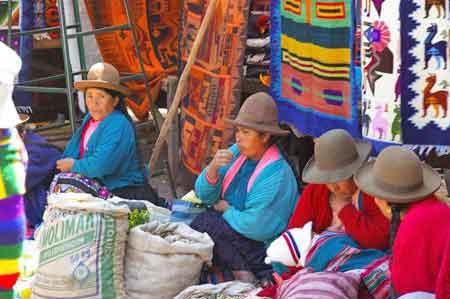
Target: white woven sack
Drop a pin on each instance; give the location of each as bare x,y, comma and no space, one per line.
81,249
163,259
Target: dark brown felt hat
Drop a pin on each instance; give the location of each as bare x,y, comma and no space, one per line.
336,157
398,176
259,112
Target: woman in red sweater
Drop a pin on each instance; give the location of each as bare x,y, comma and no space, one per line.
421,248
332,201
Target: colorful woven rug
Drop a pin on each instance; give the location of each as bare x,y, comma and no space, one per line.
380,57
214,88
425,32
156,27
314,79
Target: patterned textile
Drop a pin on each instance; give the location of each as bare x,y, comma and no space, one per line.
335,251
156,25
213,92
381,67
377,278
67,182
314,80
306,284
425,35
12,218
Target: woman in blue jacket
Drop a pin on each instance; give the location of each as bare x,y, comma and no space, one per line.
252,190
102,157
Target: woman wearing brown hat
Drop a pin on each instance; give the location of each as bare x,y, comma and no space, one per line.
253,191
404,188
332,201
104,148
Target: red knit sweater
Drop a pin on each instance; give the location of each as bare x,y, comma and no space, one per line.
368,227
421,251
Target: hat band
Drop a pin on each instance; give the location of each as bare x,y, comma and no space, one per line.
243,116
341,163
394,188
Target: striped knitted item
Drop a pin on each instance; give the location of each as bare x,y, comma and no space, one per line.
306,284
12,220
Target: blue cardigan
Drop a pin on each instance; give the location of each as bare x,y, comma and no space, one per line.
267,206
110,155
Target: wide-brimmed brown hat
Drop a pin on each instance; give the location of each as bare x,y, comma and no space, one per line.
102,75
336,157
259,112
398,176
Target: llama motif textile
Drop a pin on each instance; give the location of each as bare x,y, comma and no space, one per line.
314,81
214,89
380,58
425,73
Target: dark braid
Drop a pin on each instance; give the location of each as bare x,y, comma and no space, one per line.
395,222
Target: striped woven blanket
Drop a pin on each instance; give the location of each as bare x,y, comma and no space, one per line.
12,220
314,77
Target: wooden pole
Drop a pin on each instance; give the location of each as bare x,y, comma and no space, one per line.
181,84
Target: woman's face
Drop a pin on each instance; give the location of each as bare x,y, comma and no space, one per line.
345,188
251,143
100,103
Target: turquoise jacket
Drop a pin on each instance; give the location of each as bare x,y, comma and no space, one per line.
269,201
110,155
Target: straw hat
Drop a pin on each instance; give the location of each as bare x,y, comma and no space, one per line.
398,176
336,157
9,69
259,112
102,75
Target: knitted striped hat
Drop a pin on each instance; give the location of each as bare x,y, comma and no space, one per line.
291,248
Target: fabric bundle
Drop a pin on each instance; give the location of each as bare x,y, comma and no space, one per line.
315,78
12,217
306,284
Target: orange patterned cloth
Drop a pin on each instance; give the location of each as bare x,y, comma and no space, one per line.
214,88
157,33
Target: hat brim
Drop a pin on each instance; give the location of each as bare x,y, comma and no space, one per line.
85,84
261,128
313,174
365,181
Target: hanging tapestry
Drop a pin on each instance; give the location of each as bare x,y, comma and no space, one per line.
214,88
156,26
425,72
380,58
314,79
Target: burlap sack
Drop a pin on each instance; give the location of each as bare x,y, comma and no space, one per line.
163,259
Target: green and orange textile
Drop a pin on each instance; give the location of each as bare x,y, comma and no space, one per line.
156,26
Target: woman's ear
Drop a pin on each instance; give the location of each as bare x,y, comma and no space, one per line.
116,101
266,137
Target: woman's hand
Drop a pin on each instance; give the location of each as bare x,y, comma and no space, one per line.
221,158
65,165
337,203
221,206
